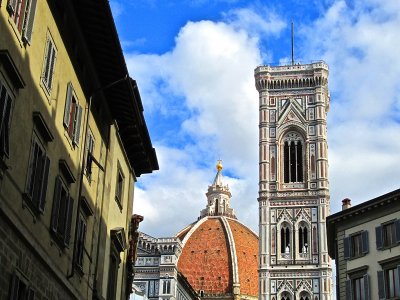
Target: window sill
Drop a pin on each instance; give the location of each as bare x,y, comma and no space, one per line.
27,203
16,31
119,203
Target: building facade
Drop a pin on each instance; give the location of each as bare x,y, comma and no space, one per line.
73,141
293,182
364,240
216,255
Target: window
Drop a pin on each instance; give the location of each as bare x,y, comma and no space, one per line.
356,245
166,286
5,120
38,173
119,189
80,242
388,234
113,274
20,290
357,287
285,239
389,283
293,158
22,13
48,64
89,155
62,213
303,239
72,115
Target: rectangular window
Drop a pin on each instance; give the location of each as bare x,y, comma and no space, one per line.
389,282
72,115
112,274
38,173
48,64
388,234
357,287
22,12
119,189
5,120
62,213
20,290
80,243
356,245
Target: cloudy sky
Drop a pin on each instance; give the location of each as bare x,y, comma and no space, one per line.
194,62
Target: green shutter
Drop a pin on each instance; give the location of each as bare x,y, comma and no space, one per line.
365,242
68,222
347,247
43,189
367,295
56,204
381,285
349,292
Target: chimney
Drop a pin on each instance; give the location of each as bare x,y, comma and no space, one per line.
346,203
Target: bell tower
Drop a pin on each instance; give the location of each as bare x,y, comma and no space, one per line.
293,182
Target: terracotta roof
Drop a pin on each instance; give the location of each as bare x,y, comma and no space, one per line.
206,260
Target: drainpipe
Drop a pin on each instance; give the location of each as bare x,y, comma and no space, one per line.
82,174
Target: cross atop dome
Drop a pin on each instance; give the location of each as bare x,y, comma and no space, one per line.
218,197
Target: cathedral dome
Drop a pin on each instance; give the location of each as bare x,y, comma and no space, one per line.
220,255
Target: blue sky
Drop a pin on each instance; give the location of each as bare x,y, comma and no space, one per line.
194,63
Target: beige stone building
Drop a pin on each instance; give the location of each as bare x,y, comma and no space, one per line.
364,240
73,142
293,182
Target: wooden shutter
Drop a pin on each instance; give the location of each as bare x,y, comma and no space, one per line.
43,188
365,242
30,13
68,101
347,247
3,105
379,237
349,292
77,124
7,125
397,229
367,295
68,222
381,285
14,287
56,204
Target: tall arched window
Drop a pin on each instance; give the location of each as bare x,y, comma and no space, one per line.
285,239
293,158
303,239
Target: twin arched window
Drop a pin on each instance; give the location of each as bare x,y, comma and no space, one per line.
293,150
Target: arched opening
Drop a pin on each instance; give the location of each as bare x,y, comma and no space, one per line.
293,158
303,239
285,239
216,207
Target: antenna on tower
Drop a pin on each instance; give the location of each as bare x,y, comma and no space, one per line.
292,42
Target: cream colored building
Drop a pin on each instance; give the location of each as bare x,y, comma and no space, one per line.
293,182
364,240
73,142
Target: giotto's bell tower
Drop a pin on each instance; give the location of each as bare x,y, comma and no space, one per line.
293,182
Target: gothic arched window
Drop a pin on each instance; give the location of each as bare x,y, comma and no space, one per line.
285,239
303,239
293,150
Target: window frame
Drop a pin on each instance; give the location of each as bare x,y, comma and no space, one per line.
349,247
72,115
89,155
354,275
392,263
61,231
381,242
80,241
37,174
22,13
14,288
6,112
119,187
49,63
299,176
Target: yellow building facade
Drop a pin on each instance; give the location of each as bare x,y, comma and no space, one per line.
73,141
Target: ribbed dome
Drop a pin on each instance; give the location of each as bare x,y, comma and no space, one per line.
220,257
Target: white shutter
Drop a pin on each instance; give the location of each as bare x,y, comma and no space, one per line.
51,66
28,26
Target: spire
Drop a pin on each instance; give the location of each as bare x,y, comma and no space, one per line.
218,197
